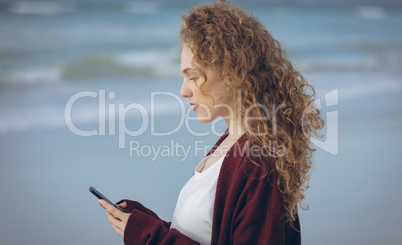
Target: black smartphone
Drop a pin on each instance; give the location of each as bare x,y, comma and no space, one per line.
99,195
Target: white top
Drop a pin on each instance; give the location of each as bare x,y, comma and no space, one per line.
195,206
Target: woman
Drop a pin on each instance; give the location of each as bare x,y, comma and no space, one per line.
248,187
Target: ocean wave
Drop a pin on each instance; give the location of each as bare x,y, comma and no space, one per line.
45,8
148,63
142,7
19,119
338,63
161,62
94,66
370,12
83,114
355,85
43,116
381,85
31,76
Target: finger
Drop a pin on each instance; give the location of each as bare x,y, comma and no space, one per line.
120,208
123,205
100,204
112,209
106,205
112,218
118,231
116,224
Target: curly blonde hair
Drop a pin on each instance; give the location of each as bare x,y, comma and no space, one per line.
239,47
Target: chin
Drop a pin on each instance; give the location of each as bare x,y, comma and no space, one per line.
206,119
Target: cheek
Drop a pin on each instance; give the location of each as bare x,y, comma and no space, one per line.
201,97
197,91
226,99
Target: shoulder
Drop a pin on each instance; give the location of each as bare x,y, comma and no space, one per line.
247,171
247,167
255,177
251,160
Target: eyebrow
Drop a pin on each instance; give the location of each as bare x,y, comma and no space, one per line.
188,69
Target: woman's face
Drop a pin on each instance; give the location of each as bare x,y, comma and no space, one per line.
211,104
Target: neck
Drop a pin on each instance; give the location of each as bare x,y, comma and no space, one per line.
235,129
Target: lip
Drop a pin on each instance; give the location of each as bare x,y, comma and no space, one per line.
195,106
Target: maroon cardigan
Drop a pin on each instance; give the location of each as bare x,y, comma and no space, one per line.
247,209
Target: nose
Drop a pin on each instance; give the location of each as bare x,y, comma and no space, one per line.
185,90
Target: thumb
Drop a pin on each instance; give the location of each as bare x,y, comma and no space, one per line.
123,205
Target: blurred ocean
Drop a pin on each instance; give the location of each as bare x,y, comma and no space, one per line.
50,51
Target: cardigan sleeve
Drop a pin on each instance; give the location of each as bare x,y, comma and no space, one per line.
133,205
145,227
259,215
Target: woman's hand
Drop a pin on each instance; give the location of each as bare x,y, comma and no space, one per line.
117,218
123,207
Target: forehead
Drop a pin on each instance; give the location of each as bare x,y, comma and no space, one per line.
186,58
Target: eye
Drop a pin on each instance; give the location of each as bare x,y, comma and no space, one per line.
193,78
